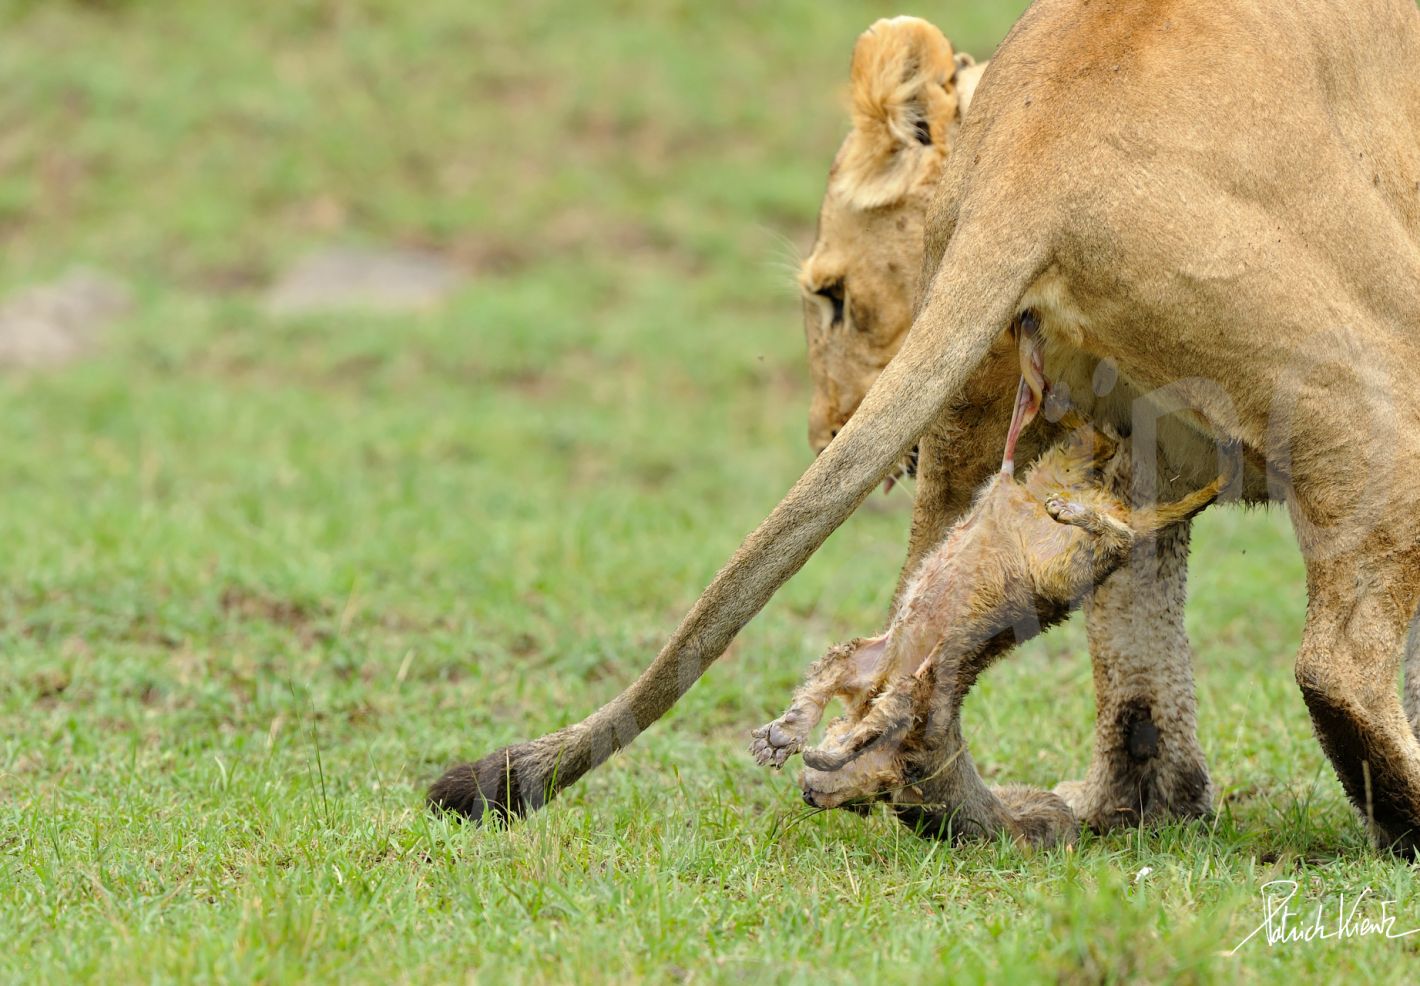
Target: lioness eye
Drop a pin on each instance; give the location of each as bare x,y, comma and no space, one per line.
834,293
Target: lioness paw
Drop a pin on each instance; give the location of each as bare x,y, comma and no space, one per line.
1039,819
1075,794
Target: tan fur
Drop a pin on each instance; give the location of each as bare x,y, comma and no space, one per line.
868,252
1021,559
1147,762
968,78
903,104
1140,649
1269,274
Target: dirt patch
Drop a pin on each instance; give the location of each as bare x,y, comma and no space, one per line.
385,280
57,323
248,604
49,684
576,234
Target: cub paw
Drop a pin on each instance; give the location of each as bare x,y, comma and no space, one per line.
775,742
1064,511
827,759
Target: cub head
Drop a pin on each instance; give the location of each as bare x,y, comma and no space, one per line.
860,281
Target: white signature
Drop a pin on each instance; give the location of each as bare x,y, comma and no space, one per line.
1282,924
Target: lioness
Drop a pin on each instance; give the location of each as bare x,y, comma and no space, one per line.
1147,762
1238,235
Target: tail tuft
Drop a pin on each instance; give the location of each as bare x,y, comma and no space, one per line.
500,787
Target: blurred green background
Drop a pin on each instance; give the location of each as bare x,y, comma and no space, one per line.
274,554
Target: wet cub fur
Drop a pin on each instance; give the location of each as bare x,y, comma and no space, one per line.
1021,560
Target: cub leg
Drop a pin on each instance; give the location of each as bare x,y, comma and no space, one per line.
874,776
942,611
886,723
1113,537
945,486
848,670
924,622
1150,520
945,634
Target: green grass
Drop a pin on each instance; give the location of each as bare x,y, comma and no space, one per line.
261,580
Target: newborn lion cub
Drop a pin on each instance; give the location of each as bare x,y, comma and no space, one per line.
1021,559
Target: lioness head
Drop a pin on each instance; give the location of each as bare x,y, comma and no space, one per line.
860,280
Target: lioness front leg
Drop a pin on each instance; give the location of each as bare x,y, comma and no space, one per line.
943,796
935,788
1147,764
847,671
961,452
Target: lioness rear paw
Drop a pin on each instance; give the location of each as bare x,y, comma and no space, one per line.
1038,818
775,742
1075,795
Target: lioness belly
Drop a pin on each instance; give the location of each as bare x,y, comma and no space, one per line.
1173,450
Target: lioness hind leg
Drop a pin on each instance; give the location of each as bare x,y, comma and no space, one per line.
847,670
1358,619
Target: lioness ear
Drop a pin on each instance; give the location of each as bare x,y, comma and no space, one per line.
903,106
